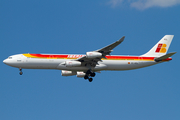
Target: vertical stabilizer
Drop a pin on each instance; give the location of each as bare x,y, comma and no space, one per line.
161,47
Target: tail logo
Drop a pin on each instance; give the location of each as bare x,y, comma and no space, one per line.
161,48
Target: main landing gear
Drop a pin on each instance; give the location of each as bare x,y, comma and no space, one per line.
91,74
20,71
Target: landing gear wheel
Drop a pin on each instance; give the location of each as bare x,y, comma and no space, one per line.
90,79
86,77
88,72
21,73
93,74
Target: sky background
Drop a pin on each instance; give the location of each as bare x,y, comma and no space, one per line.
69,26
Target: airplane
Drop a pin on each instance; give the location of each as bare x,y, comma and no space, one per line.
86,66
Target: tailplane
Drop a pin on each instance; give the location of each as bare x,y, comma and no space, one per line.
161,47
165,57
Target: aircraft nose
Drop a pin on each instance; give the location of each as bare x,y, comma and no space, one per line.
5,61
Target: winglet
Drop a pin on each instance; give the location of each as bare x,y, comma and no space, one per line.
120,40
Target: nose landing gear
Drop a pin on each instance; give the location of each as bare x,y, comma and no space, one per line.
20,71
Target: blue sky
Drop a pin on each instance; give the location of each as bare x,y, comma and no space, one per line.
62,27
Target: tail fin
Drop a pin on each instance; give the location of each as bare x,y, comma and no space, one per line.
161,47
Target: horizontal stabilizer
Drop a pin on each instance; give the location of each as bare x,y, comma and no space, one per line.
164,57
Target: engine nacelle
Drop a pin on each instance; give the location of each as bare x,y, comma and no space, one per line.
80,74
68,73
93,54
72,63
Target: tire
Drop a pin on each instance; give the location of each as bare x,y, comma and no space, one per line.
93,74
86,77
90,79
20,73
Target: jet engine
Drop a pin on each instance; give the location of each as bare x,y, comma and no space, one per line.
93,54
72,63
80,74
68,73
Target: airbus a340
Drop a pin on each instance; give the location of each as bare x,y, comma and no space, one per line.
95,61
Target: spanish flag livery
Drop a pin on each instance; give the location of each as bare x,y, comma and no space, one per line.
88,64
161,48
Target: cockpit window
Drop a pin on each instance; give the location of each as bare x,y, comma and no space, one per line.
9,57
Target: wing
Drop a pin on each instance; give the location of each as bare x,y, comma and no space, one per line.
108,49
92,58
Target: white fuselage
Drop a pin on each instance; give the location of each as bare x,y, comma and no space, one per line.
23,62
94,61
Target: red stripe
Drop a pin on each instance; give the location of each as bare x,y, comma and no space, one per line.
168,59
129,57
49,56
159,47
108,57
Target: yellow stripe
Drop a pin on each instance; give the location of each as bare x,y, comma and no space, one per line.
28,55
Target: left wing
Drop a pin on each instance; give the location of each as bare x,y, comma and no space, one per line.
91,58
108,49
